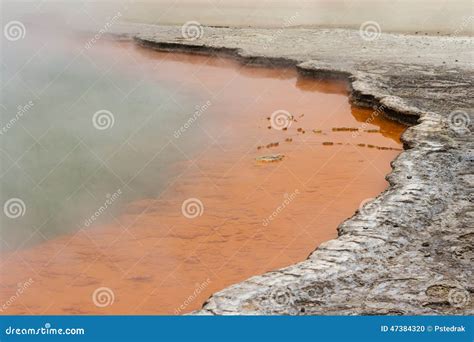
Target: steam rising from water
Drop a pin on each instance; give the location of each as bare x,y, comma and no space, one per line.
445,17
41,31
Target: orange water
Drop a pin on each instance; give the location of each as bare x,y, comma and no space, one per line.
155,260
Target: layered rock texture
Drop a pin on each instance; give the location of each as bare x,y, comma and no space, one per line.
409,251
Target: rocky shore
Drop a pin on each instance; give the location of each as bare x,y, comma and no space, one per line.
410,250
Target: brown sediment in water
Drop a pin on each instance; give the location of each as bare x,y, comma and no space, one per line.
255,216
344,129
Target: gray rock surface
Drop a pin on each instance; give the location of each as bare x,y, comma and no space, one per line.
410,251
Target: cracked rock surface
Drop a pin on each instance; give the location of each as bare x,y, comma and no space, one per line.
410,251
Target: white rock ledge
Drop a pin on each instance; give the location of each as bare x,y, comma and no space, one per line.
412,252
